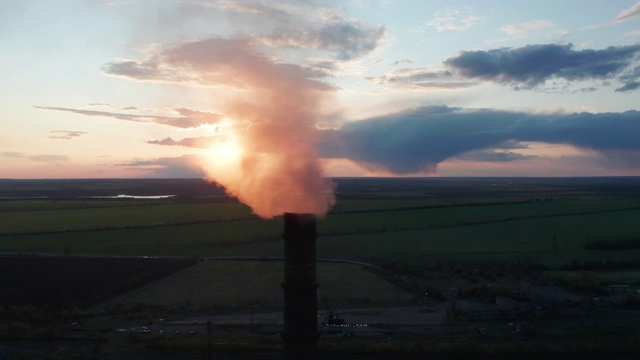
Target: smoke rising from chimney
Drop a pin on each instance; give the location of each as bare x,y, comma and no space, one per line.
263,71
268,110
267,156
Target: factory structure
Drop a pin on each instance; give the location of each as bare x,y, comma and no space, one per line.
300,335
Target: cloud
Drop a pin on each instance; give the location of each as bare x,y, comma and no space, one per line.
422,78
630,13
512,145
624,15
65,134
524,29
456,20
49,158
149,71
203,142
403,61
495,156
12,154
418,140
630,79
271,30
246,7
37,158
185,166
345,40
301,25
529,66
185,118
217,62
630,86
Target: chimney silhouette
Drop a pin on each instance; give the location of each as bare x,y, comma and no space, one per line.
300,286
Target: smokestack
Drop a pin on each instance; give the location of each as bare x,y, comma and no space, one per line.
300,287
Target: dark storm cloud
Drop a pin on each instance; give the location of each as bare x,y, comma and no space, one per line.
532,65
65,134
417,140
185,166
186,118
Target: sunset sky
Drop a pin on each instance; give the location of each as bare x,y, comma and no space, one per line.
99,89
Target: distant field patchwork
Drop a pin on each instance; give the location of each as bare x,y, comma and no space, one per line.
409,220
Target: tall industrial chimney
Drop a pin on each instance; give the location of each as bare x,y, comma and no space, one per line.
300,287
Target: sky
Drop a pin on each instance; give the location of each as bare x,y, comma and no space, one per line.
234,90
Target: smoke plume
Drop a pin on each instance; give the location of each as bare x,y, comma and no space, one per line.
266,153
268,157
264,72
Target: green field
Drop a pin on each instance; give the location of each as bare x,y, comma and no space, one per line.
553,231
405,220
215,285
96,214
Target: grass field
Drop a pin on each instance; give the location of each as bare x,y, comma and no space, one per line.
408,235
404,220
247,284
103,214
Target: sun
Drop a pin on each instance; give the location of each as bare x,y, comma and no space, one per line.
225,156
227,150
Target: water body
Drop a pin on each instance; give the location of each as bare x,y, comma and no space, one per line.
125,196
121,196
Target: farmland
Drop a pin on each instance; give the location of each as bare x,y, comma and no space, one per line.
219,285
485,237
411,220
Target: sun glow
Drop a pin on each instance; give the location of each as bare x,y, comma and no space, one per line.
228,150
210,128
226,153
